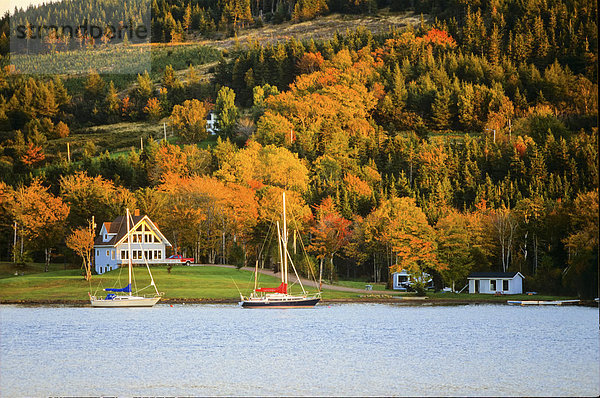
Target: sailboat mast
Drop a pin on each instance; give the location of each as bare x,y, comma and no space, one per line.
285,266
281,252
129,249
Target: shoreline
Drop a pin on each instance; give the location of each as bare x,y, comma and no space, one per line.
363,300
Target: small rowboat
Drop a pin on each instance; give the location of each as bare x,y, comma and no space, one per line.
539,302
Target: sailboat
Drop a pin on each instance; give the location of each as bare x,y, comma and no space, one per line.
278,297
128,299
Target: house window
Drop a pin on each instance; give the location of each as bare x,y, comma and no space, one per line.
134,255
140,255
97,252
159,254
505,285
112,254
107,253
124,255
150,255
492,285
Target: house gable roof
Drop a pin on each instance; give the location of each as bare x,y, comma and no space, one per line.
118,227
494,275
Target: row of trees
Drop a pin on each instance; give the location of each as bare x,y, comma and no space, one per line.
226,217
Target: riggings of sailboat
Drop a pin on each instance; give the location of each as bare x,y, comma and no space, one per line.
129,298
279,297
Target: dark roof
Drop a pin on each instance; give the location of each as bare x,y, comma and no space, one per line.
493,274
118,227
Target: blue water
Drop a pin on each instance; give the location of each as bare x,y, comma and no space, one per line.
347,350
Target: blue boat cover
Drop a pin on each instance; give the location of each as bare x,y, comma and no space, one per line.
110,296
124,289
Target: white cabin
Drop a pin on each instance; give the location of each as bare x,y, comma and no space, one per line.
496,282
401,280
148,244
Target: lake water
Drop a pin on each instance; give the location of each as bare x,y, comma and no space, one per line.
341,350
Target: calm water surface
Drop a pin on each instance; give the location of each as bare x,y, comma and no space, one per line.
350,349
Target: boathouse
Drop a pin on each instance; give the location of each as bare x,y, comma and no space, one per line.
111,250
496,282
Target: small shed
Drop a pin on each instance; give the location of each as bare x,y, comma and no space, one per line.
496,282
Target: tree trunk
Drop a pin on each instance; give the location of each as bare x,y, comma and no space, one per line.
47,265
321,273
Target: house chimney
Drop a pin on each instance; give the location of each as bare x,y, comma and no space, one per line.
136,212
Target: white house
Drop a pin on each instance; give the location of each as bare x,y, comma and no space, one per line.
496,282
148,244
211,123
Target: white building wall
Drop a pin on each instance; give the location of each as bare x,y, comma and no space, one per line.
105,259
109,258
144,248
515,285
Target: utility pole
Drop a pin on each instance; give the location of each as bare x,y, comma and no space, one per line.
141,144
165,130
68,153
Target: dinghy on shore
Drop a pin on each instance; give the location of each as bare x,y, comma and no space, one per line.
540,302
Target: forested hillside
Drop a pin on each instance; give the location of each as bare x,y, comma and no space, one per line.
467,143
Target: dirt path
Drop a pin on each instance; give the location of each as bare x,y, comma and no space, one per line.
306,282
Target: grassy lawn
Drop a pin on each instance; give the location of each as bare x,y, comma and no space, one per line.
8,269
361,285
203,282
183,282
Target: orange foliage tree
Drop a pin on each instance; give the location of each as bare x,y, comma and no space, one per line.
400,228
207,215
81,241
33,154
330,234
42,217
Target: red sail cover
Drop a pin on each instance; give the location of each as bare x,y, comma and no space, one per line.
281,289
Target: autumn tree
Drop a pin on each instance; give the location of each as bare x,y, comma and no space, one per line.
42,216
456,238
330,234
189,120
503,228
583,244
93,196
81,241
402,229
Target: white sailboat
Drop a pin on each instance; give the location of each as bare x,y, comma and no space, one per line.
278,297
129,299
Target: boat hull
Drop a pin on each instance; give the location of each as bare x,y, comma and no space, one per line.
127,301
294,303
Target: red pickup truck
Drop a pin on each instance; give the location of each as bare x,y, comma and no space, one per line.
179,259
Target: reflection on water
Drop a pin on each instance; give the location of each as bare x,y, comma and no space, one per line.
350,349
